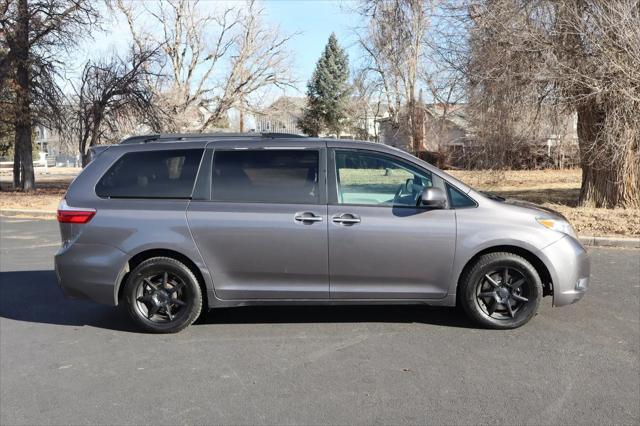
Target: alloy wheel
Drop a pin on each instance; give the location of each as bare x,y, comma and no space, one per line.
161,298
503,293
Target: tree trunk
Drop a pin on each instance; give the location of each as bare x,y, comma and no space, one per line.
85,158
416,126
85,151
610,175
17,169
23,176
24,155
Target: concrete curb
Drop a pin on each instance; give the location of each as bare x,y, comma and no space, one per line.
586,240
40,214
609,241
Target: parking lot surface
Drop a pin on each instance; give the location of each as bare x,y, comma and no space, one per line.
76,362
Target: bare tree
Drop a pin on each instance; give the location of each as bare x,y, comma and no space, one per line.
442,77
571,55
214,59
393,41
110,93
35,33
366,106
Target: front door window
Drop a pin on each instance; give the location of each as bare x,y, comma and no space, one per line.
365,178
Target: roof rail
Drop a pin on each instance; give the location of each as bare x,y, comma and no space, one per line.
196,136
281,135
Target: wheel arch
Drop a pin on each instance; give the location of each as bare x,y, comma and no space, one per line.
140,257
538,264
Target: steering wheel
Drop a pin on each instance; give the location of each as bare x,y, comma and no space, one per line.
396,197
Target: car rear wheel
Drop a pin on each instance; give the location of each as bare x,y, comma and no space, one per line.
501,290
163,295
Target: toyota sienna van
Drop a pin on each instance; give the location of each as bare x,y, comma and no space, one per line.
171,225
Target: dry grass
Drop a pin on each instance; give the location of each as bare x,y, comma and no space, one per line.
521,179
50,189
45,198
556,189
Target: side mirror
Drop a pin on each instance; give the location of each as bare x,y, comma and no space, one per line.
433,198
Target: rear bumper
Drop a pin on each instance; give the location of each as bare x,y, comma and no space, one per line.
90,271
569,266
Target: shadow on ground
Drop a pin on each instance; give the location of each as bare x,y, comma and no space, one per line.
34,296
55,186
448,317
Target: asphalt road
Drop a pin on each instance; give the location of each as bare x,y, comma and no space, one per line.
75,362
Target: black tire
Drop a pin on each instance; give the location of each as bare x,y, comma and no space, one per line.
491,304
163,295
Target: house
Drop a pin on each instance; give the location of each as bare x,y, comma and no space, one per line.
448,137
443,126
53,150
281,116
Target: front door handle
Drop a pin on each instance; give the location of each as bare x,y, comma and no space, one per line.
346,219
307,217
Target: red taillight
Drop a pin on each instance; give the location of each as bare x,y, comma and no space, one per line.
68,214
75,216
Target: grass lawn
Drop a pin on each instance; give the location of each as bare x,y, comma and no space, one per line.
556,189
50,189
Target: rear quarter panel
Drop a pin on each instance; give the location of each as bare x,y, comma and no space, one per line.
134,225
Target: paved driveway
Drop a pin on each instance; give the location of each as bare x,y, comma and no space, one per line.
77,362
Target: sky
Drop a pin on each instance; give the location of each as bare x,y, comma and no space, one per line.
314,20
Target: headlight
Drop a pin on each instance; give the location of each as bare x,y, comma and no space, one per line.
557,225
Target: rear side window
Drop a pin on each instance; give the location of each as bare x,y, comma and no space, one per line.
151,174
266,176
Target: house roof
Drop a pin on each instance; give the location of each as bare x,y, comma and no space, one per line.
284,104
453,113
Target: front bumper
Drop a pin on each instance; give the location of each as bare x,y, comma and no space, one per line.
569,266
90,271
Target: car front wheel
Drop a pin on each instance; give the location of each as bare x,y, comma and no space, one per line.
163,295
501,290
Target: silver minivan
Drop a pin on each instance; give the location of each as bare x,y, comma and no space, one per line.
173,224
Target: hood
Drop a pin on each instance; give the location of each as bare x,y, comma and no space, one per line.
533,206
523,204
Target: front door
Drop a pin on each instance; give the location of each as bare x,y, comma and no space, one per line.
381,245
263,230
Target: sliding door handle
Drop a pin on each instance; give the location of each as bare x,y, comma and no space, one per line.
346,219
307,217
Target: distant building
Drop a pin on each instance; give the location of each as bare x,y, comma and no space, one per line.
365,121
53,150
442,126
447,133
47,140
281,116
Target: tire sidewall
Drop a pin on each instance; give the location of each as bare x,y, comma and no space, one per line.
158,266
495,261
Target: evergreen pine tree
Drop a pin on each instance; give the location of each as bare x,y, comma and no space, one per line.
327,92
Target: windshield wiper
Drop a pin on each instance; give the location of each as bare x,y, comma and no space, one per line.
493,196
